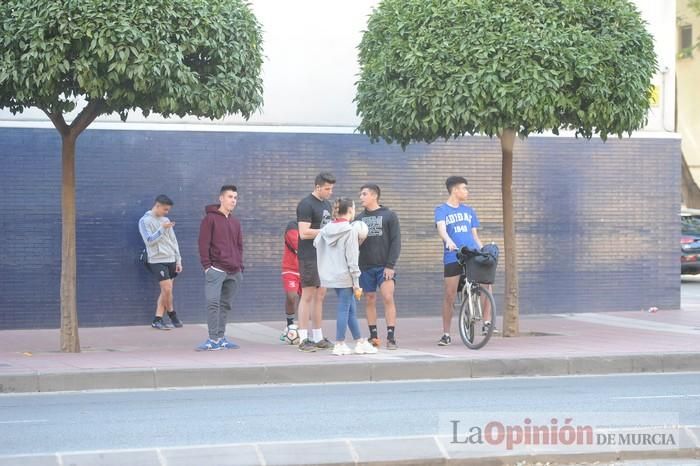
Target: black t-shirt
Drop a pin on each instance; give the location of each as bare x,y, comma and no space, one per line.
316,212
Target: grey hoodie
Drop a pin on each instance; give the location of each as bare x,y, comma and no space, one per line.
160,242
337,253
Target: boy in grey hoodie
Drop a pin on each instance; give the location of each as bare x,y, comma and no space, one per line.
337,252
164,259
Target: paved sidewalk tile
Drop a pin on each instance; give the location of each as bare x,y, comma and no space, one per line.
139,357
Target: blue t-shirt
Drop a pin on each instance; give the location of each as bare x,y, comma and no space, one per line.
459,222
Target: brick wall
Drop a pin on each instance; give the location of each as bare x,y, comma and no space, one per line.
597,222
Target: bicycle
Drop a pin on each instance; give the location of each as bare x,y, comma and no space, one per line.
478,268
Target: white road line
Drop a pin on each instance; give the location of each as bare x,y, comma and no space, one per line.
25,421
652,397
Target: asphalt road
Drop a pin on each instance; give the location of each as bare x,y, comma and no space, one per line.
80,421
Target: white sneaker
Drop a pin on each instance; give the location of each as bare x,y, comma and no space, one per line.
341,349
364,347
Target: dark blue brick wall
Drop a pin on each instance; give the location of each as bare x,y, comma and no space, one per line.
597,223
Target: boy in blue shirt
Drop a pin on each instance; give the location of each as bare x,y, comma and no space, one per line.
457,225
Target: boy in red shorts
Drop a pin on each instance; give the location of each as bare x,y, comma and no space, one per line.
291,282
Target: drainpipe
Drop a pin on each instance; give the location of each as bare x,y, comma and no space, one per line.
664,73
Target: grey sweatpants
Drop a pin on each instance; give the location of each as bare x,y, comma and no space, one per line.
219,291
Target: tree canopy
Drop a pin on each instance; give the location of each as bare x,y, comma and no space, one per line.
173,57
445,68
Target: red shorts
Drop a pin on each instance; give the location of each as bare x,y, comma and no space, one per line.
291,282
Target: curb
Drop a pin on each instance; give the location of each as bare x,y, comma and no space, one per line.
153,378
351,452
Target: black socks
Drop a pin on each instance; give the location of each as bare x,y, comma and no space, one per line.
373,331
390,333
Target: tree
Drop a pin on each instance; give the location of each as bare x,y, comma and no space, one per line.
434,69
173,57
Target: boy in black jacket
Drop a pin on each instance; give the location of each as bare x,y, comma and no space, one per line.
378,256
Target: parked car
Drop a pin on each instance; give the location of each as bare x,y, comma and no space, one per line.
690,241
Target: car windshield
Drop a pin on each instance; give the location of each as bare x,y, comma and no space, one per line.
690,225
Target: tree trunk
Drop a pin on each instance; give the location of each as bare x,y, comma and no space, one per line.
70,343
511,314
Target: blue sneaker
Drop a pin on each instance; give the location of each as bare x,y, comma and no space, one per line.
225,344
209,345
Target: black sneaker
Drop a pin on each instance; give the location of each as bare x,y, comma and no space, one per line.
324,344
307,346
173,318
158,324
485,328
445,340
391,344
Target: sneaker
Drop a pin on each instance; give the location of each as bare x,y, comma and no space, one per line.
307,346
391,344
364,347
159,325
445,340
209,345
374,341
324,344
485,328
283,336
177,323
341,349
226,344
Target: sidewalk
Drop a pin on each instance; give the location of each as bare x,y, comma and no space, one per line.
140,357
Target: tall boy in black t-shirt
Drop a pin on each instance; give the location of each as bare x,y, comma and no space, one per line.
313,213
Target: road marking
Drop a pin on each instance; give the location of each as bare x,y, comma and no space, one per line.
626,322
25,421
652,397
259,454
161,457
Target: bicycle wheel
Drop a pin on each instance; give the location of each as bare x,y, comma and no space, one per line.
471,330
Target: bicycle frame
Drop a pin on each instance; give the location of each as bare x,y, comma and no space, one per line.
469,292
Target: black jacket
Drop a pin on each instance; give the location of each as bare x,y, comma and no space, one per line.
383,244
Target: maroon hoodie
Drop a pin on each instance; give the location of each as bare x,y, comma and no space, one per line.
220,241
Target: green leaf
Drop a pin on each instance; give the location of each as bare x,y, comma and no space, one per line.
153,55
492,64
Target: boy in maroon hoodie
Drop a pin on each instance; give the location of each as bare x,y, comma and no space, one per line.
221,255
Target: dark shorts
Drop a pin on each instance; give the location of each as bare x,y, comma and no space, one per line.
371,279
453,269
163,271
308,271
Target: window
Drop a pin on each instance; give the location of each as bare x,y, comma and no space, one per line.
686,37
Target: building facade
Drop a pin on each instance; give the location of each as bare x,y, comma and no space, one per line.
596,222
